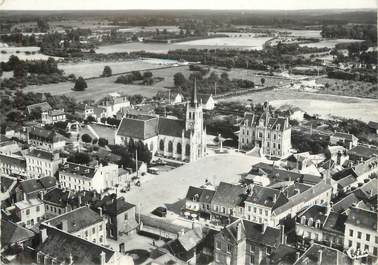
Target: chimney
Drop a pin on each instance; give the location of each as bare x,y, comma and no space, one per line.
79,199
320,258
64,224
282,230
41,193
100,210
297,255
264,225
102,258
43,234
193,226
239,232
275,198
182,232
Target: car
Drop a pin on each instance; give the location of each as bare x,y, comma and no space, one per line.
160,211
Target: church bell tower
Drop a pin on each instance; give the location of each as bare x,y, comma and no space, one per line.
194,113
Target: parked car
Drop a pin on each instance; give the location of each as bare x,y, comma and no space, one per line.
160,211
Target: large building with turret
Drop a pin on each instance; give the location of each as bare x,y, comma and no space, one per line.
268,135
183,140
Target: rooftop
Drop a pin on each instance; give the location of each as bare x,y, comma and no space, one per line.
362,218
77,219
321,255
77,169
28,203
12,233
229,195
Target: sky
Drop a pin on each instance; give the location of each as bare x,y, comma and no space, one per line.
183,4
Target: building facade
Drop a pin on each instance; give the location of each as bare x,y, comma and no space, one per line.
45,139
269,135
53,116
41,163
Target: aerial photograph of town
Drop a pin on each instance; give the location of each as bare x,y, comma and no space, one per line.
194,132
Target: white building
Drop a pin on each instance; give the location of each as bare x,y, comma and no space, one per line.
30,212
41,163
82,222
53,116
361,235
114,103
79,177
183,140
45,139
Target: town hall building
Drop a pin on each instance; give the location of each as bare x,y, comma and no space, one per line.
184,140
270,135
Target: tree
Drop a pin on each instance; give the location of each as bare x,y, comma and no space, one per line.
136,99
90,119
79,158
102,142
224,76
107,71
179,79
86,138
80,84
103,119
262,80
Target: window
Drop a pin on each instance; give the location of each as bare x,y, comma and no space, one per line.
367,237
359,234
367,247
350,232
93,230
126,216
223,210
219,245
252,248
228,248
358,245
260,211
266,212
100,239
254,209
86,233
27,211
375,251
252,259
100,227
47,207
376,239
350,243
249,208
268,250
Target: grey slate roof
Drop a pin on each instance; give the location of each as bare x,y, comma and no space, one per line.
12,233
77,169
362,218
228,195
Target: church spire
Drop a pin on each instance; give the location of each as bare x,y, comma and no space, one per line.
193,101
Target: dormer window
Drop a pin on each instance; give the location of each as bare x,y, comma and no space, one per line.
310,222
303,220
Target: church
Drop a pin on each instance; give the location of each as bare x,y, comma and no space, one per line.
183,140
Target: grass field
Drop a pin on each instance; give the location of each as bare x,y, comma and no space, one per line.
97,89
20,52
328,43
94,69
349,88
314,103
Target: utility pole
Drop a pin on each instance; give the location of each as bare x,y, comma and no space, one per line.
136,162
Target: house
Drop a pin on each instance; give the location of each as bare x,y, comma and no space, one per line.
53,116
345,184
373,126
362,152
361,235
185,247
183,140
27,213
14,238
366,169
45,139
339,154
43,106
207,101
346,139
32,188
318,254
13,164
333,230
198,202
41,163
177,99
8,147
309,224
269,135
244,242
79,177
58,246
56,202
261,203
113,103
120,215
81,222
228,201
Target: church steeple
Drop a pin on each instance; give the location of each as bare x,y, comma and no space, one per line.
193,100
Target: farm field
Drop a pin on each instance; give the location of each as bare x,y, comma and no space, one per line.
349,88
237,73
328,43
94,69
20,52
315,103
97,89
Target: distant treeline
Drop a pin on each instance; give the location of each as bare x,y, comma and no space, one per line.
366,32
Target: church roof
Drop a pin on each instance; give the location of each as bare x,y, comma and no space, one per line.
138,128
172,127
